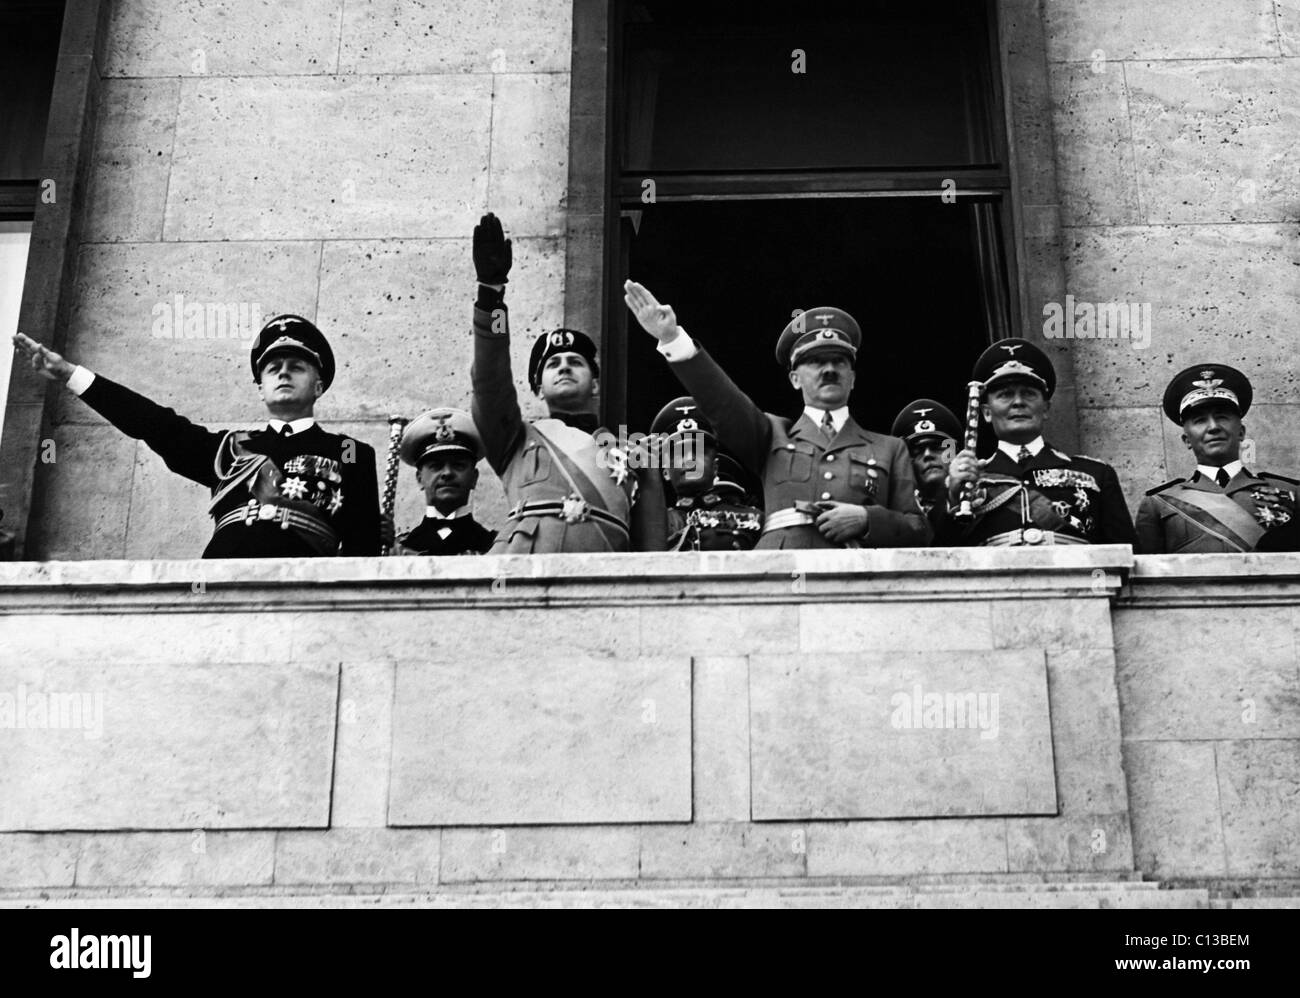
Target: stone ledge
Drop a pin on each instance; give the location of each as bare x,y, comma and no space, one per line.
1195,580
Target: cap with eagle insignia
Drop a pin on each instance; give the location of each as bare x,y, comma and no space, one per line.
818,330
292,334
926,418
1201,384
439,431
560,341
1015,358
679,417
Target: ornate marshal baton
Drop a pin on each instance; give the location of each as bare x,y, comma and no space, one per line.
966,510
396,426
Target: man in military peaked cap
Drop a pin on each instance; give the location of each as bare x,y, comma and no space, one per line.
287,490
827,482
710,509
1029,492
444,447
570,486
1223,506
933,436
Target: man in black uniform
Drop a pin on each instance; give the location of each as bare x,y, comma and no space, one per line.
289,490
1029,492
710,509
933,436
1223,506
444,448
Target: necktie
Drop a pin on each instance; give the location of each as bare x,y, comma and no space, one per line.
1024,457
828,426
286,430
1222,478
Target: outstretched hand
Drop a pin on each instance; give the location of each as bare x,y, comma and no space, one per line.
492,253
45,362
658,320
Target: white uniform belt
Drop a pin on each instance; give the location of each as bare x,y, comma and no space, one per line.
1031,537
785,518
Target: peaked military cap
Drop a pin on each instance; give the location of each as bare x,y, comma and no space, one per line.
679,417
560,341
926,418
1015,358
818,329
440,431
292,334
1204,383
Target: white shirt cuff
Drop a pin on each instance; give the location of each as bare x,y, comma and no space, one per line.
682,348
81,380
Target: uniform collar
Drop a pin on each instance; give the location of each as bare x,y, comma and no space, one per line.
296,426
432,513
1012,450
839,416
1211,472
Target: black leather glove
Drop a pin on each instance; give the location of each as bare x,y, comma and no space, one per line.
491,251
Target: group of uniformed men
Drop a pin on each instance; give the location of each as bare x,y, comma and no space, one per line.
718,473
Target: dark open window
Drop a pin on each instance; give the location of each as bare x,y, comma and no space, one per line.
747,189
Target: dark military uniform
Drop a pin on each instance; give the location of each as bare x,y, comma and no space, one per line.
305,494
1199,515
798,466
1050,497
570,486
921,421
443,431
723,517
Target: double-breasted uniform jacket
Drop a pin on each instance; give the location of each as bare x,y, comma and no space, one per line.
446,536
609,505
1198,516
798,466
1072,496
309,494
723,518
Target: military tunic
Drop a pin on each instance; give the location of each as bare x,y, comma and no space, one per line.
798,466
577,468
446,536
1069,498
1198,516
723,518
309,494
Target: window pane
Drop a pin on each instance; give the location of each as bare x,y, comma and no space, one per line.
29,50
710,86
906,268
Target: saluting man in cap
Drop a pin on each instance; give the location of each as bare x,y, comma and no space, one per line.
288,490
1029,492
444,447
1223,506
570,488
711,509
826,481
933,436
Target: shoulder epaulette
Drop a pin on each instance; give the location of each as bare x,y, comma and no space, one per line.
1161,488
1279,478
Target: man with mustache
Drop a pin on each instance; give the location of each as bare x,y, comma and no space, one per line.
1029,492
571,488
1223,506
826,481
443,446
932,434
287,490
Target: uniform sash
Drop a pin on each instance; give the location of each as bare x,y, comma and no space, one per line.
1218,515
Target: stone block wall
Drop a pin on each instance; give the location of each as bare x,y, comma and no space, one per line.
1176,148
